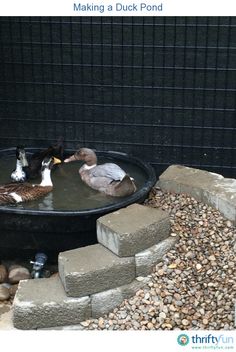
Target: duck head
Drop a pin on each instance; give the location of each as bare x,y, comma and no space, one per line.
21,156
55,150
47,165
84,154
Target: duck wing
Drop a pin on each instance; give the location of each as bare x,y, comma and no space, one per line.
109,170
12,193
14,187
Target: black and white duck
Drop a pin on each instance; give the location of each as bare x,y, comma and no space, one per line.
19,175
12,193
108,178
35,161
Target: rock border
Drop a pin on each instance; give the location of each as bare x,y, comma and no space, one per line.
207,187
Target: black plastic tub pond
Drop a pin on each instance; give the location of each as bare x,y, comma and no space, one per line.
65,218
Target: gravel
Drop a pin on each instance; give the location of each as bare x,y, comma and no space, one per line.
194,285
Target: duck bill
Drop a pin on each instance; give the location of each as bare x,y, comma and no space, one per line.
56,161
71,158
24,161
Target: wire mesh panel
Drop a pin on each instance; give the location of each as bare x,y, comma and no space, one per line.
159,88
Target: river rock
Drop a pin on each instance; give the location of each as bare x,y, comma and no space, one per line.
13,289
18,273
3,273
55,274
14,266
4,293
198,266
185,322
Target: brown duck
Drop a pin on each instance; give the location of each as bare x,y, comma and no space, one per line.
13,193
108,178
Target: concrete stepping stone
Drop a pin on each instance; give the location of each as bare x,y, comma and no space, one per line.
43,303
104,302
132,229
93,269
147,259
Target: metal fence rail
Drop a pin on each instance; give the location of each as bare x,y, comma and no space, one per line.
160,88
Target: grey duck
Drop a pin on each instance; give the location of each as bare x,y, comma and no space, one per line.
108,178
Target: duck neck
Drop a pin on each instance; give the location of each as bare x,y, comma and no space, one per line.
46,178
91,160
19,165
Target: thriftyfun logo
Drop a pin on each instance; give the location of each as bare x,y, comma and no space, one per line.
183,340
211,339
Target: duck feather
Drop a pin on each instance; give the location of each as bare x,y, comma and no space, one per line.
13,193
110,170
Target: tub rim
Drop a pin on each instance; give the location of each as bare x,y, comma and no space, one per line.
136,197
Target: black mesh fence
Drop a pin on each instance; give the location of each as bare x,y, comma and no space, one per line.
160,88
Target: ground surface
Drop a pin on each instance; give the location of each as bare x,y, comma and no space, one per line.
194,285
